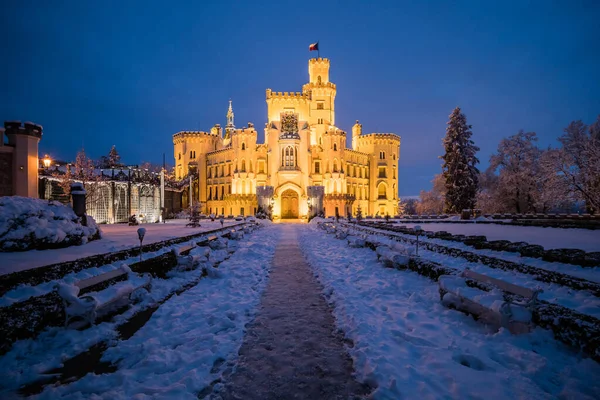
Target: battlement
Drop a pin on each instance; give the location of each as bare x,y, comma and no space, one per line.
27,128
183,135
287,95
375,136
318,61
318,85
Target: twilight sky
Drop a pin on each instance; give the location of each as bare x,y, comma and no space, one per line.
133,73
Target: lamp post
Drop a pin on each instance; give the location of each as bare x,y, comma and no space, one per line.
418,231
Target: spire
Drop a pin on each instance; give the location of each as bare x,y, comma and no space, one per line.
230,116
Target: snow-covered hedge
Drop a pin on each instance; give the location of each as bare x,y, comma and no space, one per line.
27,224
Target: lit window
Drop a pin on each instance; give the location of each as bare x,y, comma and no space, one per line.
317,167
289,157
319,105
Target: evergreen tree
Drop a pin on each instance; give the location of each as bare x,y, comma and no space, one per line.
114,159
461,177
359,215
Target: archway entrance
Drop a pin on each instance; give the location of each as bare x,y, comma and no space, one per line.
289,204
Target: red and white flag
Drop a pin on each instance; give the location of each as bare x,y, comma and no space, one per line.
314,46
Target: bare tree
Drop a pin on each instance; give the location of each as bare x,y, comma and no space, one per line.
432,202
577,162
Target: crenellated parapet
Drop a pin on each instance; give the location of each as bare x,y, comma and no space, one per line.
298,96
182,136
378,138
27,128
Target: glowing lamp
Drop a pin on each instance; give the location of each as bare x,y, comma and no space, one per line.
47,161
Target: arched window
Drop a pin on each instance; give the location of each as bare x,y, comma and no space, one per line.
335,167
382,155
289,157
179,156
210,193
222,192
191,154
381,191
320,142
393,157
243,165
243,146
335,147
319,79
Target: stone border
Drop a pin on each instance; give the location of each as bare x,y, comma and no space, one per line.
538,274
577,330
26,319
566,256
36,276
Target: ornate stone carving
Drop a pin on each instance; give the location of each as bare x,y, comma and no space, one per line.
289,126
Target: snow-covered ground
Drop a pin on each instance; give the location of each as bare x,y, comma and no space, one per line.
550,238
187,343
114,238
411,346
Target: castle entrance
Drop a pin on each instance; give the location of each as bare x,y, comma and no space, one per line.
289,204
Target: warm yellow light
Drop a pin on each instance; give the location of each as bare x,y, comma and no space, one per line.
47,161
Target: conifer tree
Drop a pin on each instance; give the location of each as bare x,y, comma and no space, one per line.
114,159
461,176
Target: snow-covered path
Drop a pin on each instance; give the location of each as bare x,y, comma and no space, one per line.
408,345
292,349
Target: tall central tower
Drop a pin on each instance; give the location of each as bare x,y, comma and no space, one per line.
322,108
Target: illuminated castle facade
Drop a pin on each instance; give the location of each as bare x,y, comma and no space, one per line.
302,149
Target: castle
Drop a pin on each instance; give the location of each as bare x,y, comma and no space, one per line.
303,153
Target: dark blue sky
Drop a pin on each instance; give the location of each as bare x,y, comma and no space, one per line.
133,73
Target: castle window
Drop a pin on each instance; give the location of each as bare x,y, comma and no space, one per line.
179,156
191,154
289,110
381,172
382,155
394,172
243,146
243,165
335,168
261,167
289,157
381,191
319,79
210,193
222,192
321,141
393,157
228,169
317,167
320,105
229,189
335,147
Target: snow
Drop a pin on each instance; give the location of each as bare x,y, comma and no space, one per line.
114,238
187,343
25,221
550,238
578,300
411,346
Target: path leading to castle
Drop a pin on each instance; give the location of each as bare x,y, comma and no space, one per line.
292,349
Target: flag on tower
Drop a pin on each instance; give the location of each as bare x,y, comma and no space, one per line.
314,46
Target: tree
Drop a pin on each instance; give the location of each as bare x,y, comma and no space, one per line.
578,162
112,160
518,167
460,174
432,202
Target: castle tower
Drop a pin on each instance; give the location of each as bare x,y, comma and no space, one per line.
322,94
356,132
230,127
24,140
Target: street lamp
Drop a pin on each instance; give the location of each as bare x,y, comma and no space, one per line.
47,161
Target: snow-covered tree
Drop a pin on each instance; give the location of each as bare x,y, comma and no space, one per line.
517,165
112,160
432,202
578,162
459,169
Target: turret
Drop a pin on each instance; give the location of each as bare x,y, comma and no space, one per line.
230,127
356,132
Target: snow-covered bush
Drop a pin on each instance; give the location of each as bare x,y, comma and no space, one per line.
27,224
